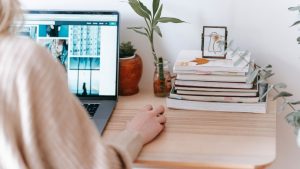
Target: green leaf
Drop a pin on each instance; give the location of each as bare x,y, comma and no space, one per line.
262,81
268,75
147,31
294,102
248,63
252,76
245,53
298,39
158,31
294,8
242,58
169,19
140,32
235,52
280,85
140,27
268,66
145,8
239,61
282,94
157,15
296,23
155,5
230,44
293,118
135,5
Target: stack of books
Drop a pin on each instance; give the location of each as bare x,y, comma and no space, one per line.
214,84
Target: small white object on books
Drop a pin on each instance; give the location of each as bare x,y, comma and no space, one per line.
260,107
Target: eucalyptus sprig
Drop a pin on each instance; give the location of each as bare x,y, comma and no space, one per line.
293,118
152,19
296,8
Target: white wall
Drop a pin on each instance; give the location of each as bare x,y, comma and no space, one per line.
261,26
175,36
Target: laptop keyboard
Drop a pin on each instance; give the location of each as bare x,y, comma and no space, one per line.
91,109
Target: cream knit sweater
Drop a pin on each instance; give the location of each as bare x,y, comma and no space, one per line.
42,125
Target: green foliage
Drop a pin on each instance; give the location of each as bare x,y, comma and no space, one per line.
266,72
293,119
152,20
295,8
282,94
294,102
126,49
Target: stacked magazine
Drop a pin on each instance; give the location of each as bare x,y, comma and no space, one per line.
214,84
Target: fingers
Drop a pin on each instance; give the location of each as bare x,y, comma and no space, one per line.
148,107
159,110
162,119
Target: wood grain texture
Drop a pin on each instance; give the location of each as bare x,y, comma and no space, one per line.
202,139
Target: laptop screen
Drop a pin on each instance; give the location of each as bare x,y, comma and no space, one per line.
85,43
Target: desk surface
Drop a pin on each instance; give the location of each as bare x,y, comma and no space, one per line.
195,139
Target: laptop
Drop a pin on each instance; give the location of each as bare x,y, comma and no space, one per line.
86,43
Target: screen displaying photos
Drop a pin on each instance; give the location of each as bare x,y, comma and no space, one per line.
86,49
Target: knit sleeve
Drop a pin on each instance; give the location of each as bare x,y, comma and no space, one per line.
56,132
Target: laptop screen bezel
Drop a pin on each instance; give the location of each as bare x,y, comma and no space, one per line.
100,97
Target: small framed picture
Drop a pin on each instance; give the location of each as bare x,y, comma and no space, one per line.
214,42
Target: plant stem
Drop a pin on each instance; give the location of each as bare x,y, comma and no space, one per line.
152,45
291,106
161,75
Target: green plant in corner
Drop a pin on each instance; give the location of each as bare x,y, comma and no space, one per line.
152,19
293,118
126,50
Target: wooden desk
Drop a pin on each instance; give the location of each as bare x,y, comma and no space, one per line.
200,139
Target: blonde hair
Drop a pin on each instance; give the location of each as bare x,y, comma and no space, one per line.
10,10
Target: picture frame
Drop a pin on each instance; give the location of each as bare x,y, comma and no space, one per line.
211,36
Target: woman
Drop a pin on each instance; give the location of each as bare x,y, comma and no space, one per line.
42,125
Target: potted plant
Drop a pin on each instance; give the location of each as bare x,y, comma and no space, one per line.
162,77
130,69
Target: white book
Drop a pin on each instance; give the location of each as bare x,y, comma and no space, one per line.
213,93
260,107
228,99
186,61
253,90
212,78
193,83
209,72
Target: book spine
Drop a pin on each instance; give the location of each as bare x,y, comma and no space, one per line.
229,99
214,89
195,72
210,69
212,84
215,106
212,78
207,93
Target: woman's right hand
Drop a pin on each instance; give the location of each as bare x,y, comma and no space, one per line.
148,123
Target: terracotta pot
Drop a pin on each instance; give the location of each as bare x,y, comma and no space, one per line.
130,74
